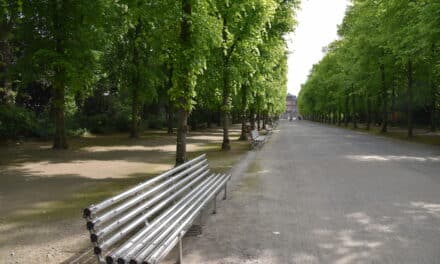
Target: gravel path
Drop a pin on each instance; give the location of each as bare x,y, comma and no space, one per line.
318,194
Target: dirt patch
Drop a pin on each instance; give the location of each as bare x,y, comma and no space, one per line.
42,192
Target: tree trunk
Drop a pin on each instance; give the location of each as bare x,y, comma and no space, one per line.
353,101
368,113
60,138
346,114
182,130
244,131
433,109
169,117
384,93
182,126
252,119
393,102
258,120
338,115
134,128
58,100
226,93
410,98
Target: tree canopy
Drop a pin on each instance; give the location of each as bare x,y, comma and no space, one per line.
127,65
384,68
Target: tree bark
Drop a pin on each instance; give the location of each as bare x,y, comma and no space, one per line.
135,106
244,131
384,93
58,101
368,112
252,118
353,101
60,138
433,109
182,130
410,98
226,93
183,114
346,114
169,117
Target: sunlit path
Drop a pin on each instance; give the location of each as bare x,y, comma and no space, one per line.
319,194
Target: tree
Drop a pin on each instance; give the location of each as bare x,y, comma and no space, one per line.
61,44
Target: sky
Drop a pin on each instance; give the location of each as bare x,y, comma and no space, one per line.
317,27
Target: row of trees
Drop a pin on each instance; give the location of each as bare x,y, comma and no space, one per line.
384,68
72,60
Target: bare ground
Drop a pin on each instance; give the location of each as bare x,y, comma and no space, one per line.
320,194
42,192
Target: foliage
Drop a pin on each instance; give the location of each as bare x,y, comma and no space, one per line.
385,65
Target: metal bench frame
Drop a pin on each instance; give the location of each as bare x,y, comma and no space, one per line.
144,223
257,140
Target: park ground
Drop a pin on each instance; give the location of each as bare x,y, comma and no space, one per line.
42,191
313,194
322,194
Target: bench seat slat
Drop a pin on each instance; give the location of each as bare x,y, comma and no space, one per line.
142,234
172,240
141,222
92,210
141,199
166,231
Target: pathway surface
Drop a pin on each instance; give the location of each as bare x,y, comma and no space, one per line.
318,194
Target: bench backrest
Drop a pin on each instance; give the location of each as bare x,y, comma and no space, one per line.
112,220
255,134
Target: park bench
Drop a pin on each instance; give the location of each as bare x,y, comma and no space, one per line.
257,140
144,223
269,129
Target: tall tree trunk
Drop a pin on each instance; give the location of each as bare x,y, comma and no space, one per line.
346,114
433,107
252,118
225,116
60,138
58,101
135,106
410,97
258,119
226,92
182,130
384,93
353,101
183,114
244,131
368,112
338,115
393,103
169,119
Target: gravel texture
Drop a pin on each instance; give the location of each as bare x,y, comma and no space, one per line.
320,194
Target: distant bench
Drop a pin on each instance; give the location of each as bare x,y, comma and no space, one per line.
257,140
143,224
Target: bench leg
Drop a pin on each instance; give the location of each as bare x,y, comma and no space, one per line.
180,251
226,189
214,210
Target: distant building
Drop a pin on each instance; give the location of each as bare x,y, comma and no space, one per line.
290,107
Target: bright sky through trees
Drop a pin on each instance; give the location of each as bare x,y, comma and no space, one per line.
317,27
